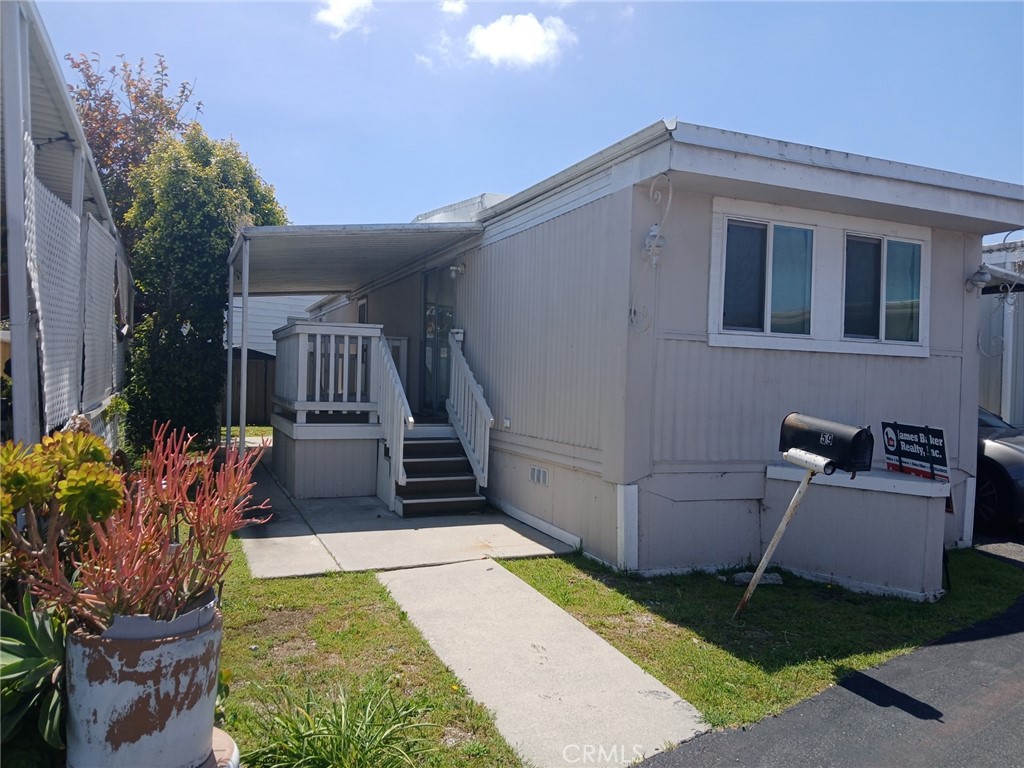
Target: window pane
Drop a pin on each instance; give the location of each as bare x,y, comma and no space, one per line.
863,286
902,291
745,257
791,280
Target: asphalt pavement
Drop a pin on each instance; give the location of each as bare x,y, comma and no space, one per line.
958,702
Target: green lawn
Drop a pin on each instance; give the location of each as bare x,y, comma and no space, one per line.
791,643
251,430
343,629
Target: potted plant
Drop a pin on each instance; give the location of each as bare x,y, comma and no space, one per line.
138,582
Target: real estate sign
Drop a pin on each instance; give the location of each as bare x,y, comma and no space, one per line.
915,450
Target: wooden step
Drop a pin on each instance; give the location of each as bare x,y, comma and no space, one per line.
438,485
436,465
441,446
443,505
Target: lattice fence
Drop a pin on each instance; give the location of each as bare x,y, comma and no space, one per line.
53,237
100,257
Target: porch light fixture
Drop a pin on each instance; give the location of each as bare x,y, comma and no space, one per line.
979,279
457,270
653,244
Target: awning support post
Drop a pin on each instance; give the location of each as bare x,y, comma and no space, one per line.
229,387
243,393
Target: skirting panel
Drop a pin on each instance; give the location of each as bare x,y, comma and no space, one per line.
314,469
870,540
577,502
683,535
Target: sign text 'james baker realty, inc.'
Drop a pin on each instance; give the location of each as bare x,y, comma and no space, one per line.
915,450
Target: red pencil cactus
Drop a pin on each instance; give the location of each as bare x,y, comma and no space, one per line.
162,548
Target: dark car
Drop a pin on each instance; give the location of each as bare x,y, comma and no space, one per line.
999,497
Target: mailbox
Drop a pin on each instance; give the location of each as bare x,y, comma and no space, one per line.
844,447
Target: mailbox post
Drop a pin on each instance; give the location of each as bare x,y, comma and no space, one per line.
818,446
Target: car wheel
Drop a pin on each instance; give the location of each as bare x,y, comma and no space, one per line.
991,503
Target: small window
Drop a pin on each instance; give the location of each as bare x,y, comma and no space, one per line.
877,308
767,267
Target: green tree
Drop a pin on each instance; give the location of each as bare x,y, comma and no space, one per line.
190,197
125,111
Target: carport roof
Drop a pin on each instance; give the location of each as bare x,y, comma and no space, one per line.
335,259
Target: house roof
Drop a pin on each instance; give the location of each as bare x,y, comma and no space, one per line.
730,164
334,259
337,259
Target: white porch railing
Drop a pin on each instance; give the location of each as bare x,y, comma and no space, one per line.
328,368
468,410
395,414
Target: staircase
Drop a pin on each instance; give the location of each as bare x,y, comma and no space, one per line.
440,480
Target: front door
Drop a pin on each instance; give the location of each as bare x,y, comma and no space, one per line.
438,320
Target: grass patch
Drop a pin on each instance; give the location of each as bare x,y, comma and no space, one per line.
251,430
790,644
342,629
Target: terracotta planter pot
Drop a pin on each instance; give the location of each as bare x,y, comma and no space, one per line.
145,699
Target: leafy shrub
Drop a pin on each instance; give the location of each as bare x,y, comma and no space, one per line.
32,678
370,730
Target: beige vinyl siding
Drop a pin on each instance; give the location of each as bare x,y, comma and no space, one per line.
544,312
399,308
726,405
697,412
720,405
347,313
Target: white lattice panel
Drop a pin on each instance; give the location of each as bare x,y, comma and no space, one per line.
53,238
100,256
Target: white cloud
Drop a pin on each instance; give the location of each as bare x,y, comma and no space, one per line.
627,13
453,7
443,47
344,15
520,41
439,53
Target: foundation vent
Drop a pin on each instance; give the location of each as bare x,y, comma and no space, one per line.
538,475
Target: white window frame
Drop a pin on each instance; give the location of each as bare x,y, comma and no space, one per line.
766,314
883,275
828,280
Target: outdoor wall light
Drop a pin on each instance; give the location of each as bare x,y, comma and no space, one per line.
653,244
457,270
979,279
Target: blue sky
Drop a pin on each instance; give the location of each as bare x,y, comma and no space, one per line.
360,111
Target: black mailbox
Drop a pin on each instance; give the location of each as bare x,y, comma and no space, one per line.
848,448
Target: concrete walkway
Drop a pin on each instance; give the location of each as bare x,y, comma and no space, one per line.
561,696
311,536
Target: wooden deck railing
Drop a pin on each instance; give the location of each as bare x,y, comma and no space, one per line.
328,368
395,414
468,411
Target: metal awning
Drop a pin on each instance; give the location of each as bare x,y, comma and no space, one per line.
267,261
336,259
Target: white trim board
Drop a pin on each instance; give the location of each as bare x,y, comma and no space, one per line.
882,481
543,526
